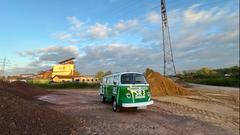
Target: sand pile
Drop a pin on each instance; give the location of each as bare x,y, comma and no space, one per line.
162,86
22,89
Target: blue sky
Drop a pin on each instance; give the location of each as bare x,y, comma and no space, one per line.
117,35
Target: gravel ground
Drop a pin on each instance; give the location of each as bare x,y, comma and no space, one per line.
98,118
31,117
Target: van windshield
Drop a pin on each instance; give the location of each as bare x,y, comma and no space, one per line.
132,78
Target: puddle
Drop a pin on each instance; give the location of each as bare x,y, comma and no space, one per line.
48,98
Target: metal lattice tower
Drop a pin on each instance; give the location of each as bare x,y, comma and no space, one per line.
169,66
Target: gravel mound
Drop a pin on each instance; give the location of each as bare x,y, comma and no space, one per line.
162,86
20,116
22,89
21,113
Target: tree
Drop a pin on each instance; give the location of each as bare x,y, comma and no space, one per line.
206,72
108,73
76,73
235,71
100,74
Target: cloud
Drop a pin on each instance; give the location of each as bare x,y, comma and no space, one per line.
118,57
124,25
152,36
51,53
75,22
115,57
193,15
200,37
26,69
44,58
83,31
103,31
99,31
153,17
62,36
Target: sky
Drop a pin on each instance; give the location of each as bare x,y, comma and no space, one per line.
117,35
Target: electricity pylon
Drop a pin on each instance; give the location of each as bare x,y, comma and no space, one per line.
169,66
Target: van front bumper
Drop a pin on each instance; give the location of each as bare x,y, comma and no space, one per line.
137,104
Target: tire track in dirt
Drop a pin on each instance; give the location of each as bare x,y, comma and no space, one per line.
204,115
99,119
234,107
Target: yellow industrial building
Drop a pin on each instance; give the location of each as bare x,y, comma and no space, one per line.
62,78
64,68
86,79
65,71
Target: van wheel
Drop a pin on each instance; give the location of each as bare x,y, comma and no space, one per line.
103,99
115,107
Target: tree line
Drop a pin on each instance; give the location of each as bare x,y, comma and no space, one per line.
221,76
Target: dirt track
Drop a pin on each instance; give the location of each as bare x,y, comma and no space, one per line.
98,118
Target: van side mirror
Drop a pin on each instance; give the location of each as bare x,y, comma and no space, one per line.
114,83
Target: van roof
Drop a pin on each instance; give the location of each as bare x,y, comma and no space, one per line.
121,74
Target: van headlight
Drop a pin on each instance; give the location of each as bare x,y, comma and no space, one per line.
128,95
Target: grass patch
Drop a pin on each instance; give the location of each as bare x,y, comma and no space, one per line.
68,85
232,82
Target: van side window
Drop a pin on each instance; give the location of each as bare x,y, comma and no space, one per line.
115,79
110,80
104,81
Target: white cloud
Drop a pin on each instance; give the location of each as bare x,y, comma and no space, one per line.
51,53
124,25
44,58
153,17
62,35
118,57
73,20
200,37
195,15
99,31
112,57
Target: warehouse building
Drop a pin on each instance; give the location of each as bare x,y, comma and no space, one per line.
65,71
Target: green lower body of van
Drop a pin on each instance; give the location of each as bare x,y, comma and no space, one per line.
126,95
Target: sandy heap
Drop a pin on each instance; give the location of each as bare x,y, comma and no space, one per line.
162,86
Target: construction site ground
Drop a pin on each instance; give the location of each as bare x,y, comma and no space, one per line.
208,111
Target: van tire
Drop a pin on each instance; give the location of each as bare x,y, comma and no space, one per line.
115,107
103,99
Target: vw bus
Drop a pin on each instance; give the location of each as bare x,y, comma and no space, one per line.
127,89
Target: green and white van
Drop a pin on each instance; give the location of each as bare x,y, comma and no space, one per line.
126,89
